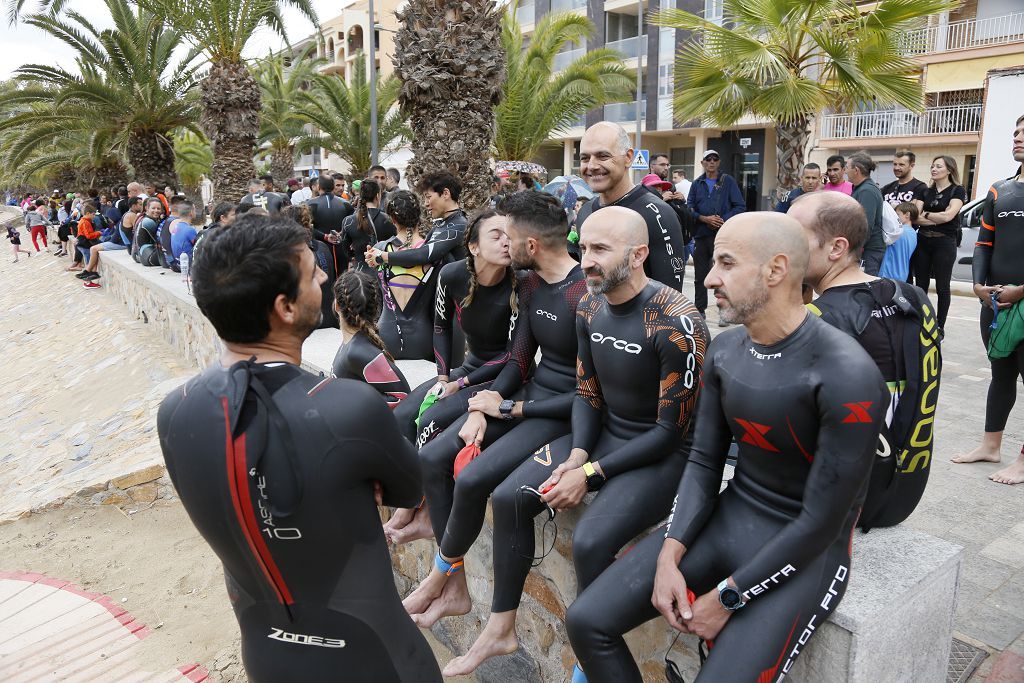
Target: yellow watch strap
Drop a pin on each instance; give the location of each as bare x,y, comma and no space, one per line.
588,469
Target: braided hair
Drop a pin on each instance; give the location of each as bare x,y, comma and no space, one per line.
473,237
369,191
404,211
360,301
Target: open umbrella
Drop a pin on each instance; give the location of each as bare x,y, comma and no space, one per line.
520,167
558,185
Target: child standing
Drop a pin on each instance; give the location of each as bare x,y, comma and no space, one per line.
36,222
896,264
15,237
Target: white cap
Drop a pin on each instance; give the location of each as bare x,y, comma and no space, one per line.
709,153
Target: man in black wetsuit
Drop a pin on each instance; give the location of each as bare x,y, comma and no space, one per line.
261,194
281,471
641,345
605,158
520,412
768,558
999,269
329,214
895,323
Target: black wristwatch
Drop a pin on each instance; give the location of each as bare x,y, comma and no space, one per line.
595,480
379,260
505,408
729,597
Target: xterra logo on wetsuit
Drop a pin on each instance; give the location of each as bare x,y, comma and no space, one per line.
302,639
764,356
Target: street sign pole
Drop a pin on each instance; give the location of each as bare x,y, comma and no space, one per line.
374,151
639,77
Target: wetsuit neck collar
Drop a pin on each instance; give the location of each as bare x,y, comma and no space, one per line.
792,338
628,307
630,193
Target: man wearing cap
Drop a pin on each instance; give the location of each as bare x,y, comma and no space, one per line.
714,198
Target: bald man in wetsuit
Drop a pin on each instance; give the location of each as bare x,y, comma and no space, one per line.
768,558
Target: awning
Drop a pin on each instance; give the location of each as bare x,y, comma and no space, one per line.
968,74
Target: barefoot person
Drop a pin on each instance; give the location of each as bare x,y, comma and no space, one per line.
282,471
895,323
768,558
641,347
999,270
518,415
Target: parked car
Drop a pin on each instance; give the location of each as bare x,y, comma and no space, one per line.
970,222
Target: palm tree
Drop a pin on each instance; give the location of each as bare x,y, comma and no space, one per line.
230,95
449,58
281,122
341,112
130,91
786,60
192,160
540,102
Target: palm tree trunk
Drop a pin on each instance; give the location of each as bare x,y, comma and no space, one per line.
451,64
152,157
790,146
231,119
282,165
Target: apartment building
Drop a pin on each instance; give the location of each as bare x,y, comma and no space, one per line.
340,40
747,148
955,51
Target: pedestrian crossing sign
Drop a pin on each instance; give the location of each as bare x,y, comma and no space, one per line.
314,173
642,160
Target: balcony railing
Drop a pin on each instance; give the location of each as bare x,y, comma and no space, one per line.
564,59
630,47
525,14
566,5
624,112
966,34
901,123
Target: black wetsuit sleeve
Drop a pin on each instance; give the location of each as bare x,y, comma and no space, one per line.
588,406
523,350
851,408
986,240
345,245
681,357
665,234
489,370
558,406
702,478
444,314
441,242
387,457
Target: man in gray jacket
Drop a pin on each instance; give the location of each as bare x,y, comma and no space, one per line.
858,169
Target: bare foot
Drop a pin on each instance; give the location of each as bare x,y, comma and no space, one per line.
426,593
486,646
399,519
1014,474
454,601
980,454
416,529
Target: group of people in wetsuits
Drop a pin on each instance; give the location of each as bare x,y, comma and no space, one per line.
558,378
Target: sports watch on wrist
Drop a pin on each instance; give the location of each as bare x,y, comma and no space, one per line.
505,408
595,480
729,597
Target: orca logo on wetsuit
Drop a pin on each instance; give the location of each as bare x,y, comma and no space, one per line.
1004,214
549,316
620,344
302,639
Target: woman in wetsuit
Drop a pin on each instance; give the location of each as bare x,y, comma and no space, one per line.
479,292
478,296
362,356
368,226
406,325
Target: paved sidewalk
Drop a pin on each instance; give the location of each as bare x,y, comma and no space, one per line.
80,383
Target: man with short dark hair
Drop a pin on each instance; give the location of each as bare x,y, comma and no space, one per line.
858,169
714,198
268,182
606,155
394,177
183,233
810,181
906,188
329,213
378,174
288,500
835,175
895,323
